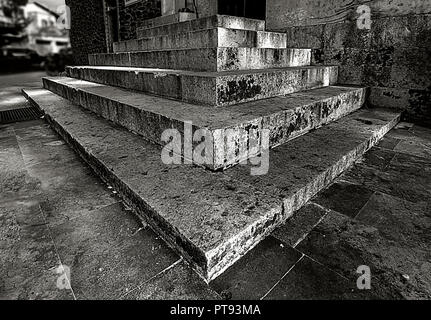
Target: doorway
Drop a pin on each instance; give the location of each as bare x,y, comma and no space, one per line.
111,23
254,9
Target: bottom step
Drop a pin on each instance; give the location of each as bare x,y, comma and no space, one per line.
213,219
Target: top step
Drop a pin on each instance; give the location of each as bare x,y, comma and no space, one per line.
229,22
169,19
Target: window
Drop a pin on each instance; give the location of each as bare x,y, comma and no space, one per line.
43,42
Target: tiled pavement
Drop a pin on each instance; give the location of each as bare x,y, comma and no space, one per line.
54,211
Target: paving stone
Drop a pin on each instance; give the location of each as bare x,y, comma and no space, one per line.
388,143
413,147
178,283
6,131
66,187
297,227
257,272
399,220
14,179
343,245
109,252
409,179
414,140
28,259
378,158
309,280
345,198
39,144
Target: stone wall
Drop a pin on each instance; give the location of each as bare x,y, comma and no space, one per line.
87,34
131,16
392,57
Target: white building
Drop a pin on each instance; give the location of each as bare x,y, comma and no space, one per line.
43,34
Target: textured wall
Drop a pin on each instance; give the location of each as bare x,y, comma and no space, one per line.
287,13
132,16
393,57
87,34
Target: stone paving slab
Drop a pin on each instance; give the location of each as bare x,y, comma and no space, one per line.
215,21
195,210
110,252
343,245
300,225
389,233
257,272
286,117
214,89
28,259
206,59
310,280
208,38
179,282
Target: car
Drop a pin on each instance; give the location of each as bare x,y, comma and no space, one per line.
19,57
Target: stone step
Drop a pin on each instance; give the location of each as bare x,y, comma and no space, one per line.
213,219
206,59
212,88
285,118
168,20
208,38
221,21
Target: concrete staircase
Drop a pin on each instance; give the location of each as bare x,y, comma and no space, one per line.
247,95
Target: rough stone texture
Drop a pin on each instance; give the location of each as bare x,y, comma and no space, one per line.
286,117
215,21
87,34
209,38
257,272
390,232
392,58
60,213
300,225
281,14
310,280
207,59
214,89
195,210
132,16
178,283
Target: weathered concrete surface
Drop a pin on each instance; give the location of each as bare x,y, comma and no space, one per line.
195,210
60,213
178,283
210,88
282,14
209,38
392,58
389,228
285,117
214,21
207,59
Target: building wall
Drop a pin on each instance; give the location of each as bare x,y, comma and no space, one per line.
131,16
39,18
87,34
392,57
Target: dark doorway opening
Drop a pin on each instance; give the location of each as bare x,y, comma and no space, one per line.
254,9
111,23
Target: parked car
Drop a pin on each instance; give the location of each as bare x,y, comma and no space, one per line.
16,58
